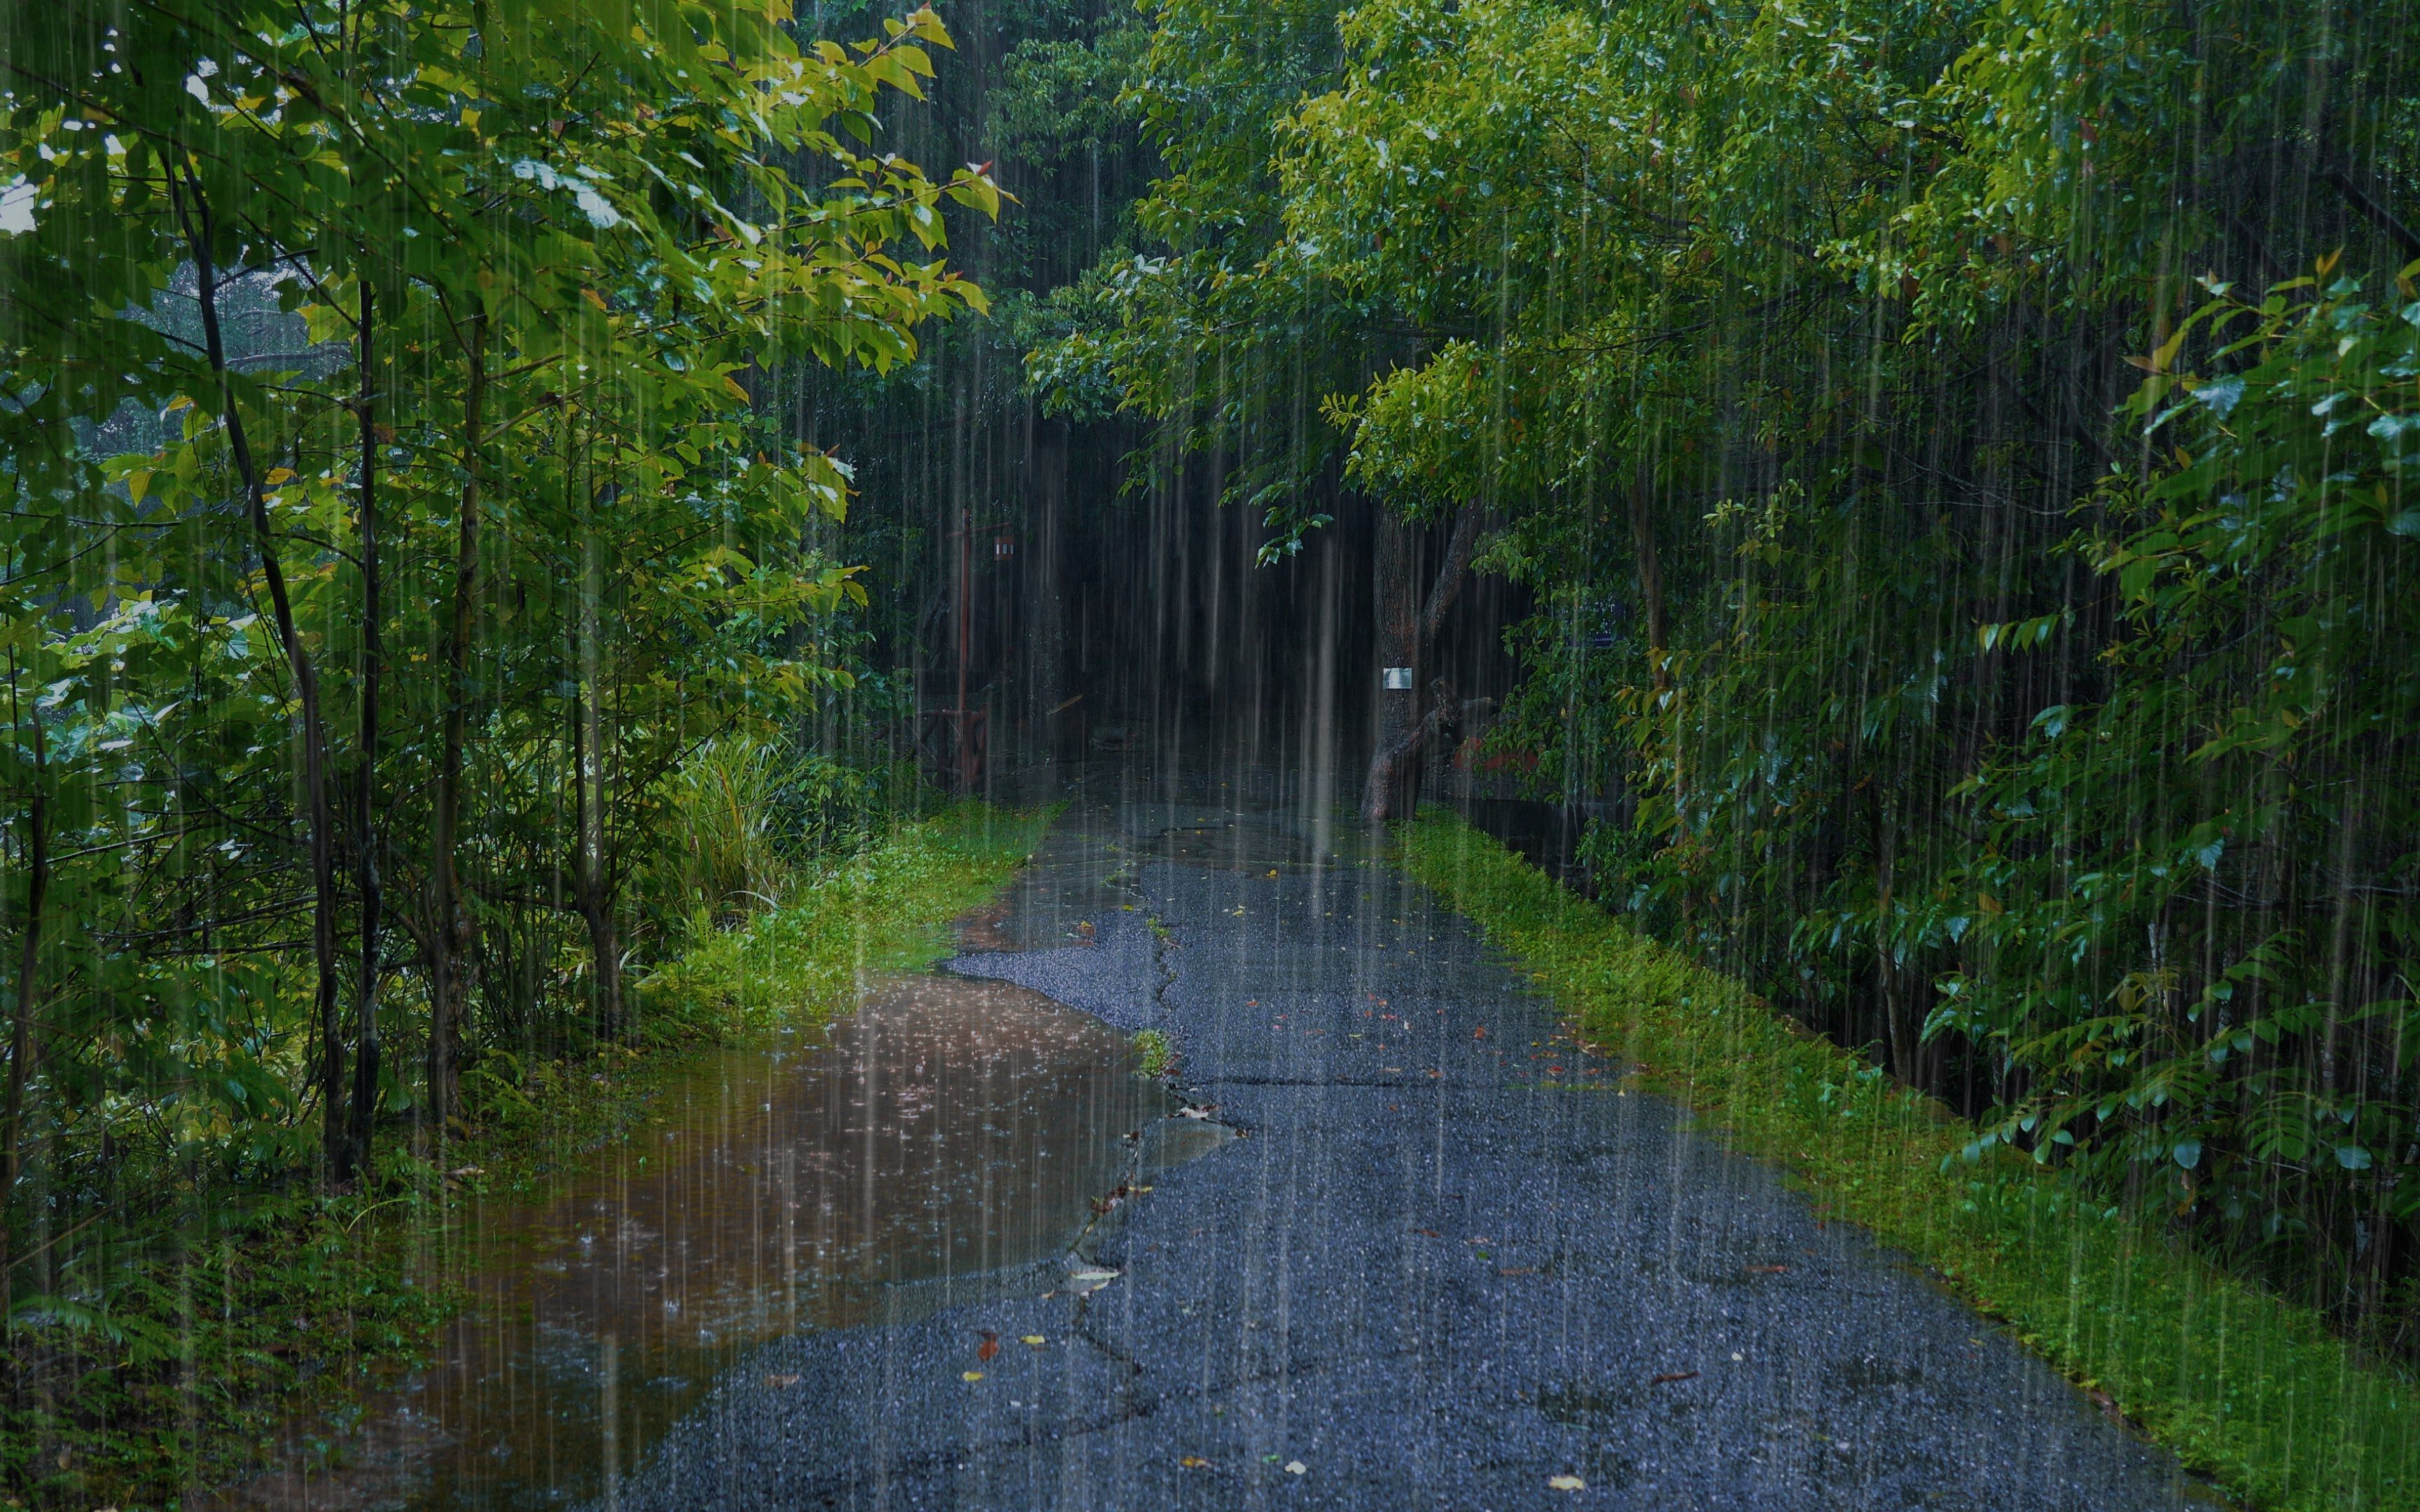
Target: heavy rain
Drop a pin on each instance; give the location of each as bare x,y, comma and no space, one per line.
1038,754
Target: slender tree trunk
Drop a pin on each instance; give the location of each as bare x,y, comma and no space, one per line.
591,879
22,1041
366,1025
1650,579
449,935
326,1019
1899,1026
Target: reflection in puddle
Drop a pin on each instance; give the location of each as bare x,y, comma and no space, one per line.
949,1128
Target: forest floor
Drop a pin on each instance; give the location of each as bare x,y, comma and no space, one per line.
1446,1257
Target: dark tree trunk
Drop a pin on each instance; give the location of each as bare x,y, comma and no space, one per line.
1651,577
326,1018
605,946
591,877
22,1041
365,1026
1394,779
449,932
1407,632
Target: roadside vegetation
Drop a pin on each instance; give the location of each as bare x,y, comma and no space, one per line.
2255,1390
427,642
1960,456
204,1339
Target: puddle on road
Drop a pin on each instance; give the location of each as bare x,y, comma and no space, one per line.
949,1130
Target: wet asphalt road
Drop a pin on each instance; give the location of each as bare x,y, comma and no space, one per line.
1448,1262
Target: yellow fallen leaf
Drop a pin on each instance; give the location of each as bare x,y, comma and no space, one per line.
972,1375
1193,1462
1565,1482
1296,1467
1032,1338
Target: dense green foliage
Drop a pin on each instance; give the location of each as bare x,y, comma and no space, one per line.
412,619
1961,451
2254,1391
186,1366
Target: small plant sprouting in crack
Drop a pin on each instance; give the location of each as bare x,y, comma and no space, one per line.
1158,1052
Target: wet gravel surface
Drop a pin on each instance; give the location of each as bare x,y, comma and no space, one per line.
1450,1263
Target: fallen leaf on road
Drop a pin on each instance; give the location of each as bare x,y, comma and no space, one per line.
972,1375
1296,1467
1565,1482
1429,1232
1517,1270
1193,1462
1091,1281
990,1347
1480,1033
1766,1270
781,1381
1670,1376
1032,1338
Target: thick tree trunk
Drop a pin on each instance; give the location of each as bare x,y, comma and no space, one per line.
22,1039
366,1025
326,1017
1407,632
605,947
449,934
1385,795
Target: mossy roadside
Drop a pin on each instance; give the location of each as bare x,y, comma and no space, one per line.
2250,1390
250,1322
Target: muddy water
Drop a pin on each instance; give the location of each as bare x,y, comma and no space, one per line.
949,1131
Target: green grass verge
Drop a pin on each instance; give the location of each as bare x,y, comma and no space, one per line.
213,1313
887,908
2246,1388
